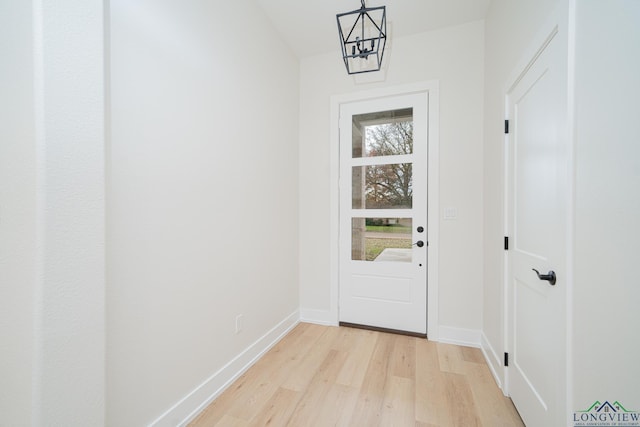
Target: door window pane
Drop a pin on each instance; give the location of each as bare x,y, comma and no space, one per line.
381,239
386,186
385,133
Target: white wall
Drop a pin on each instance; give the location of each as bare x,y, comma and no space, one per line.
70,129
17,213
454,56
202,196
607,203
52,213
509,29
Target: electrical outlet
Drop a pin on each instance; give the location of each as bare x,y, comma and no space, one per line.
239,321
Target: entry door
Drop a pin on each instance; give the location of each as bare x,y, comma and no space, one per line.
538,196
383,213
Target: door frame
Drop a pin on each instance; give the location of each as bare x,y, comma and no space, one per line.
430,88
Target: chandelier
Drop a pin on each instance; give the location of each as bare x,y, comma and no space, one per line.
363,36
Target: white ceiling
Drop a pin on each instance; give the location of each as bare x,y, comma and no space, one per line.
310,27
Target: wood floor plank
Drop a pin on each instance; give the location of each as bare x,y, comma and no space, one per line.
302,372
403,357
246,397
470,354
258,391
359,351
221,406
432,406
278,409
491,404
271,371
345,339
330,376
398,407
450,358
309,407
337,407
368,408
463,410
229,421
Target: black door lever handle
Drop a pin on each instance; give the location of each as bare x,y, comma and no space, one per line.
550,276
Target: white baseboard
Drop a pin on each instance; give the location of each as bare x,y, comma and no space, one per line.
193,403
459,336
492,358
319,317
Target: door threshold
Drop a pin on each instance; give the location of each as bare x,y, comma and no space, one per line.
386,330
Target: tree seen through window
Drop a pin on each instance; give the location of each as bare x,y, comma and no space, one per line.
389,185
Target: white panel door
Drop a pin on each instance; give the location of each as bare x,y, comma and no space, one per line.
537,145
383,213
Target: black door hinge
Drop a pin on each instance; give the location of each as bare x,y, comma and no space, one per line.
506,359
506,126
506,243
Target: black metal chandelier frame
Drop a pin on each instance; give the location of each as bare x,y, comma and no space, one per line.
356,45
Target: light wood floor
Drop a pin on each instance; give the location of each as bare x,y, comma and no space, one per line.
326,376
